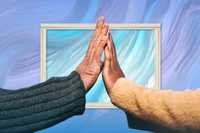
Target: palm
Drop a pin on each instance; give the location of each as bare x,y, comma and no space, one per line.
90,67
111,71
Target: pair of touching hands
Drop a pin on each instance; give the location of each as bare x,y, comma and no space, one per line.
91,66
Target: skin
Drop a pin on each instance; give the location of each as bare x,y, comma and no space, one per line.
91,66
111,71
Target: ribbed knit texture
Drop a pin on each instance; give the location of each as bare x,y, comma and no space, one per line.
41,106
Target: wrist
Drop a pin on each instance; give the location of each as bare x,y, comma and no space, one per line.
82,79
117,92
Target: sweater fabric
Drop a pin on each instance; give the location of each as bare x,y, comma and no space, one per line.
163,111
42,105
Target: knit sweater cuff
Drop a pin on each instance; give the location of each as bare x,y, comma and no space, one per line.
80,91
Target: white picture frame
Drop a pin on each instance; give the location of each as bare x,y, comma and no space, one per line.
43,52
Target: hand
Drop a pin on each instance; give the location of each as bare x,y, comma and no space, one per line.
111,71
91,66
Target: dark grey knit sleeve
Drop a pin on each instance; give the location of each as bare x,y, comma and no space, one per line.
43,105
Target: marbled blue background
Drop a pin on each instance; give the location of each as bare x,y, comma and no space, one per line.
136,53
20,54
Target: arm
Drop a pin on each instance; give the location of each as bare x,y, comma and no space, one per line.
160,111
165,110
42,105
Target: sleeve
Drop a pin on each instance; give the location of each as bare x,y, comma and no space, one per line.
43,105
158,110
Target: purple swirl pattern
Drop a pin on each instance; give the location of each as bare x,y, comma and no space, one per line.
20,52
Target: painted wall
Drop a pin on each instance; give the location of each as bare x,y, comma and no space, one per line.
20,54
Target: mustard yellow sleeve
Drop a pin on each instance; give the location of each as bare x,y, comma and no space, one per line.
177,111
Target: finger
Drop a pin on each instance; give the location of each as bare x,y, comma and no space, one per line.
104,31
112,45
97,48
100,48
103,38
109,45
112,49
99,25
107,58
93,49
96,34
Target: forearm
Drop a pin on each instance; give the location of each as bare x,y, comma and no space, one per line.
178,111
42,105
